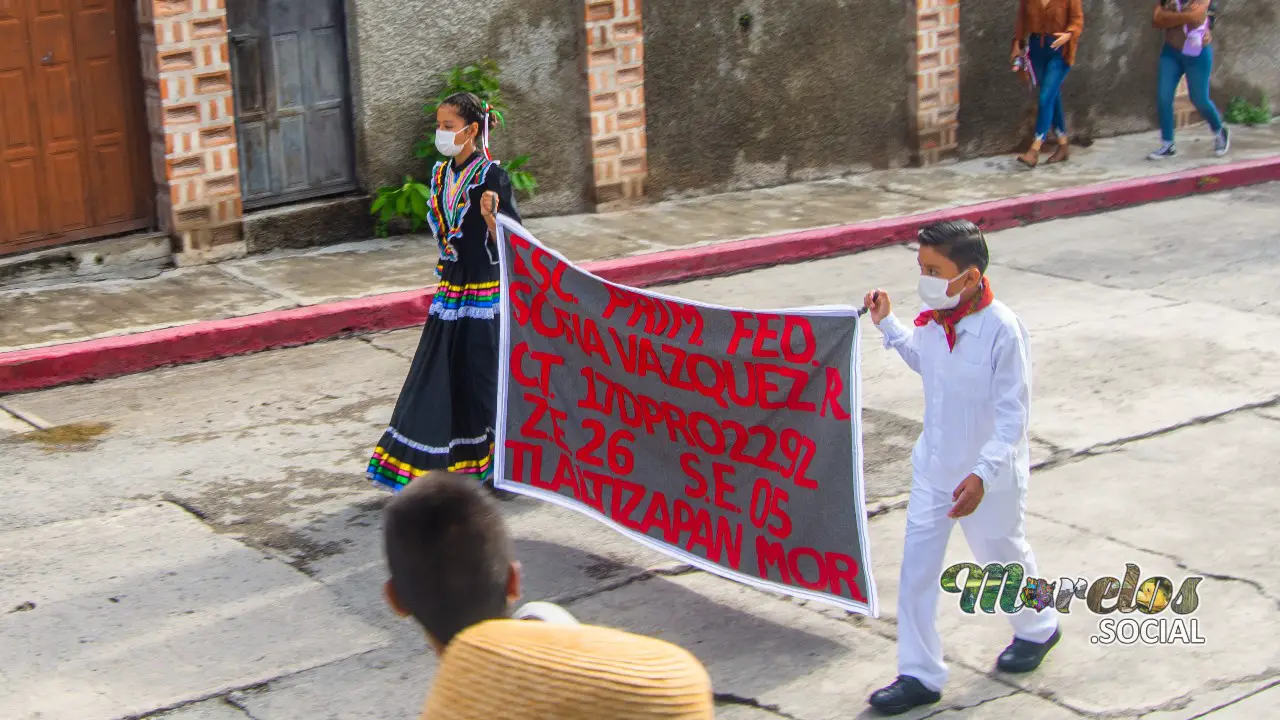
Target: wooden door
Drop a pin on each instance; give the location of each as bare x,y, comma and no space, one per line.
72,157
289,58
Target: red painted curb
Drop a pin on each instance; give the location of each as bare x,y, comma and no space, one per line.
754,253
47,367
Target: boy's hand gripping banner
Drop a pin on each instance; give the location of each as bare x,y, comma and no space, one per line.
728,439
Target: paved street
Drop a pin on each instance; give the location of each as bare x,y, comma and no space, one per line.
198,543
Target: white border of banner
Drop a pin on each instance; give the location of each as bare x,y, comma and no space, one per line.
871,608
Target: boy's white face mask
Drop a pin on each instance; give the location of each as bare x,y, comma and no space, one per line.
933,291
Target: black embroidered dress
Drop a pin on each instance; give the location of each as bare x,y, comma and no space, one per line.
447,409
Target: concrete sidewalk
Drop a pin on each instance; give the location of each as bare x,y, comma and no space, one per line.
38,316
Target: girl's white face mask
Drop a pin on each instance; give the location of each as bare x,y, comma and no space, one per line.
933,291
447,142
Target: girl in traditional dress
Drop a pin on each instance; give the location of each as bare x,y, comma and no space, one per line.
445,417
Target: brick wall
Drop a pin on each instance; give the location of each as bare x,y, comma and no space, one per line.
191,117
615,81
934,80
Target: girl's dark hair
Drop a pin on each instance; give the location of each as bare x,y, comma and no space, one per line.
472,109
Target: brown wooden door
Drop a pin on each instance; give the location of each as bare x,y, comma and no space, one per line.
289,58
72,157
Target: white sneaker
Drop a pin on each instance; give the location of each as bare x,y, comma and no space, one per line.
1165,152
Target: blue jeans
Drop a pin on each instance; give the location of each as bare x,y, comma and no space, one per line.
1173,65
1051,69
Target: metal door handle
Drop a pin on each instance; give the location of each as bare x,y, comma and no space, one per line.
47,59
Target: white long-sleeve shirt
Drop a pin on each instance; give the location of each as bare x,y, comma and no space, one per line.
977,399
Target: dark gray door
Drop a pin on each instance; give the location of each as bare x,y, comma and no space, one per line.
293,117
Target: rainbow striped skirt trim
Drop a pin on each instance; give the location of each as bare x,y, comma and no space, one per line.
473,300
397,461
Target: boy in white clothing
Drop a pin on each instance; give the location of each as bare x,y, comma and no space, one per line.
972,460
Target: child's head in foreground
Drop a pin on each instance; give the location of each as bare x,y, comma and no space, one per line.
452,562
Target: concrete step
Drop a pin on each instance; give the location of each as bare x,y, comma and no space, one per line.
136,256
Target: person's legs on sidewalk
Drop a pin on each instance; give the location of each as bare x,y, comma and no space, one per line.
1061,153
1056,69
1059,116
1050,69
1171,71
1198,70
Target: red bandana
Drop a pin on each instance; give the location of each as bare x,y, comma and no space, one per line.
948,318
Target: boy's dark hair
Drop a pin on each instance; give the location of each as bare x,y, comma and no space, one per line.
470,107
449,553
960,241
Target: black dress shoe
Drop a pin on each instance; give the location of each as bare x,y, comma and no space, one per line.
1024,656
904,694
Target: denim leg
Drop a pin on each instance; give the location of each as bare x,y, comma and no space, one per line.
1059,117
1171,71
1054,72
1198,70
1040,66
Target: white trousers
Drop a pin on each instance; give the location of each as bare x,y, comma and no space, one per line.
995,534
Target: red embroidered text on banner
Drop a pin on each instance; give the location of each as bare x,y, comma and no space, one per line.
726,438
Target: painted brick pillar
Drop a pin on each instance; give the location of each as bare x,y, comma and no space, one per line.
615,83
191,116
934,79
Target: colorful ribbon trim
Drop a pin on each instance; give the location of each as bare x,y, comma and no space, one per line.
450,202
475,300
484,143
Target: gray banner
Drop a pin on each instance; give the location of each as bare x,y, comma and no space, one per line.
726,438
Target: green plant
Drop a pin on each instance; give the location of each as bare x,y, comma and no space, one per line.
1242,112
409,201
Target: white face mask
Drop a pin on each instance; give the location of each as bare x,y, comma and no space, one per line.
446,142
933,291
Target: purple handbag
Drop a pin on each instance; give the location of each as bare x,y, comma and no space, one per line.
1194,44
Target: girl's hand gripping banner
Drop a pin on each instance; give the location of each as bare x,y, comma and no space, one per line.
729,439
